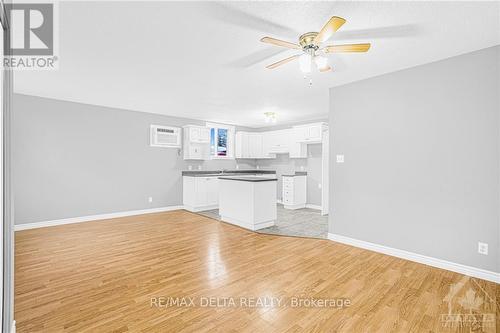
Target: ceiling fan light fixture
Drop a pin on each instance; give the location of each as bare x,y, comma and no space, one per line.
321,62
310,44
305,61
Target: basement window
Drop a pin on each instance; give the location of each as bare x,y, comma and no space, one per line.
221,141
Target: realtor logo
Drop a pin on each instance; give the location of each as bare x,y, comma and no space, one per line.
32,43
32,27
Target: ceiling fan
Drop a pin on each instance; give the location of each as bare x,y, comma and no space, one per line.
310,44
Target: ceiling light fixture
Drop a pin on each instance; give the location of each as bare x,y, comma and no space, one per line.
270,117
305,61
321,62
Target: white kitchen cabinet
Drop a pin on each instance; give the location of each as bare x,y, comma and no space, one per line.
293,141
255,145
309,133
196,142
297,149
197,134
250,145
200,193
277,142
294,192
241,144
212,190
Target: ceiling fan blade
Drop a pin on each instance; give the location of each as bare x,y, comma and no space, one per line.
333,24
347,48
282,62
279,42
229,12
326,69
256,57
394,31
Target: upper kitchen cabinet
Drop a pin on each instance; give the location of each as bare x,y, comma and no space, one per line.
276,142
255,145
309,133
297,149
241,143
292,141
250,145
197,134
196,142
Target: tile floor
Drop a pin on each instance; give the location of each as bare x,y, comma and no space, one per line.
300,222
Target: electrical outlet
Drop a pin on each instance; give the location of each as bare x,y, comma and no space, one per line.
482,248
319,185
150,199
190,167
340,158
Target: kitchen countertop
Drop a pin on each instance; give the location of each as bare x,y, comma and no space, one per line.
297,173
249,179
207,173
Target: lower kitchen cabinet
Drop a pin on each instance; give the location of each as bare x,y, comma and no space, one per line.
294,192
200,193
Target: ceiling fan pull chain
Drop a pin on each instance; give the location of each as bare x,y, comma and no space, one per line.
308,76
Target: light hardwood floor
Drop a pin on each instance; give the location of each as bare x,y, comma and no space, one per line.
101,276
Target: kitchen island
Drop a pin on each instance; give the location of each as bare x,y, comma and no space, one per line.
200,188
248,202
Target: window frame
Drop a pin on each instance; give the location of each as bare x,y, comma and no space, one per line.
230,140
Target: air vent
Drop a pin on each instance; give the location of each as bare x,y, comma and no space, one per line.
165,136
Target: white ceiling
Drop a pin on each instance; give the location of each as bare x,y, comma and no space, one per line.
200,60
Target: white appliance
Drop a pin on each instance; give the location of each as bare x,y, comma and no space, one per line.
165,136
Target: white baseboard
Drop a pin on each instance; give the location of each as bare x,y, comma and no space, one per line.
439,263
200,208
246,225
88,218
311,206
293,207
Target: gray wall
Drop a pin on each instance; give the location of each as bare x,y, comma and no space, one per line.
285,165
422,150
72,159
